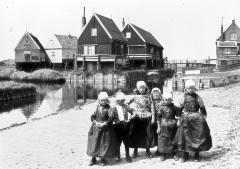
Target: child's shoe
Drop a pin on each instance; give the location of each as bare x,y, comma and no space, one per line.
92,161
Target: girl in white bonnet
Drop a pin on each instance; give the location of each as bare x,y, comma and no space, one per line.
193,134
140,132
167,126
102,140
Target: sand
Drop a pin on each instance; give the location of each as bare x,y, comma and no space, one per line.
60,141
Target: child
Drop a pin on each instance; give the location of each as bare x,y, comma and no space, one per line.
122,114
167,126
140,132
193,134
156,98
102,140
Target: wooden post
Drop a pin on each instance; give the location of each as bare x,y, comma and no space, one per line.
84,92
84,59
133,60
75,62
146,62
98,63
152,62
115,63
84,69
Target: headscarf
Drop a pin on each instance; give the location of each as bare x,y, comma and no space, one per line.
141,84
102,96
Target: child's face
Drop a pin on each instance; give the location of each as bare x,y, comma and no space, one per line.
120,102
103,102
156,95
191,89
141,89
167,100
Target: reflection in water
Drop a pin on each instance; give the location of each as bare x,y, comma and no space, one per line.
52,99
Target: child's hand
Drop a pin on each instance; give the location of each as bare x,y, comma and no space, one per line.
101,125
158,130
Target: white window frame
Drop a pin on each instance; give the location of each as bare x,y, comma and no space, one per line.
233,36
227,51
89,50
128,35
94,32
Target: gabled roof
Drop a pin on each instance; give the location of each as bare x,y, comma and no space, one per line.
111,28
230,27
146,36
34,39
37,41
67,41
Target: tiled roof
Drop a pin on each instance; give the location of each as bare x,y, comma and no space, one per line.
227,44
112,28
147,36
37,41
67,41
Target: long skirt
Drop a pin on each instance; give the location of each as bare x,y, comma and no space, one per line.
102,142
193,133
166,136
141,133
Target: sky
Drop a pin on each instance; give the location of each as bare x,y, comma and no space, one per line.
187,29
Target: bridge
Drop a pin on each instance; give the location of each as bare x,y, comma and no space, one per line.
181,66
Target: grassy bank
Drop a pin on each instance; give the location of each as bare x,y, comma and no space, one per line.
10,90
41,75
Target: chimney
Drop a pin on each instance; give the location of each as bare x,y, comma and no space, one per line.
123,23
222,34
233,21
83,18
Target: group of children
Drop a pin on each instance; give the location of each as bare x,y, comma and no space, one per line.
149,119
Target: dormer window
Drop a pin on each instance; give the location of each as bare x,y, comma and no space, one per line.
128,34
233,36
94,32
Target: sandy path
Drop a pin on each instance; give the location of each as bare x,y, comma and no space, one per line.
59,142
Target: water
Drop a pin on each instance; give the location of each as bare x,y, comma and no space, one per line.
54,99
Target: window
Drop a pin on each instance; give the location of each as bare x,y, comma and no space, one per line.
27,55
36,58
89,50
227,51
128,34
94,32
26,42
53,54
233,36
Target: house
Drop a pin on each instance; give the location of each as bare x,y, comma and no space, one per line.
227,46
101,45
30,54
143,48
62,50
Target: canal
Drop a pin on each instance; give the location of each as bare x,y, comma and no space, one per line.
54,99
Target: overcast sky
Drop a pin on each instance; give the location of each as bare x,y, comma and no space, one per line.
187,29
